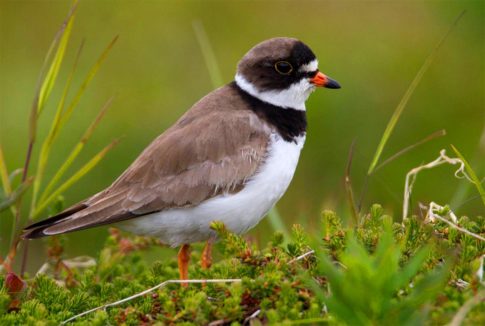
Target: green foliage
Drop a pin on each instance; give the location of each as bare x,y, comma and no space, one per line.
44,198
365,288
375,273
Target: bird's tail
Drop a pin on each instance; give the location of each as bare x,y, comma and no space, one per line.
36,230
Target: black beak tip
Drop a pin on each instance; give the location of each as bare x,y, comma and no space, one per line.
332,84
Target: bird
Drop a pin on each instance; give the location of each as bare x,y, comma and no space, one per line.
229,158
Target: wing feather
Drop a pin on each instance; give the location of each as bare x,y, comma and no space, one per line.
214,148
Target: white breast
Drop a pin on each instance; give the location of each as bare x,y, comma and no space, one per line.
239,212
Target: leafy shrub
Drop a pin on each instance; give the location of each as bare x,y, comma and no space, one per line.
394,274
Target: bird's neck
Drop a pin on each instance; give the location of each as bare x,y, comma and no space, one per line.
293,97
289,123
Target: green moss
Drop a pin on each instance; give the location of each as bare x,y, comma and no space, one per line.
377,272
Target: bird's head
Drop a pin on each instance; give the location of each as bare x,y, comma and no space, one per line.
281,71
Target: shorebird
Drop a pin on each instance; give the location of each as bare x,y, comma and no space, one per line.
229,158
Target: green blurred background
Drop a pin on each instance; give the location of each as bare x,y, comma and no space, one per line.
157,71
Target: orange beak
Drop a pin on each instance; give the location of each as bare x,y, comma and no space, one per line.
321,80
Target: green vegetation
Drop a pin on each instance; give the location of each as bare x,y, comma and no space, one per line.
50,195
372,272
375,274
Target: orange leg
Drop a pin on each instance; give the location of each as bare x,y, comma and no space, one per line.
206,259
183,260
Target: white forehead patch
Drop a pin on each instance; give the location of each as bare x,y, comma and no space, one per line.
309,67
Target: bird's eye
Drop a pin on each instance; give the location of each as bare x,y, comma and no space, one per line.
283,67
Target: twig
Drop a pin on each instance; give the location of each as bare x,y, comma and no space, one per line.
435,207
161,285
306,254
460,228
252,316
411,176
432,214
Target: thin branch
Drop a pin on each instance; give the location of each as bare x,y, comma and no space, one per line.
140,294
306,254
252,316
433,207
431,214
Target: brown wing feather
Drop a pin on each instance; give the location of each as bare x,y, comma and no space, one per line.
214,148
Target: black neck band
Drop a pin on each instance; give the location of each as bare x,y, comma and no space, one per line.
289,123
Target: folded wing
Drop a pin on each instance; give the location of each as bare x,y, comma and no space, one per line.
206,153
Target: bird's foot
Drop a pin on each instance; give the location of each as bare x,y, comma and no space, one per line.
206,259
183,262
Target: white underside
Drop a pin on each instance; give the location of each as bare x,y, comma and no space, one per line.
239,212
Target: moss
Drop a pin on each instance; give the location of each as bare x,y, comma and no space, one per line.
274,287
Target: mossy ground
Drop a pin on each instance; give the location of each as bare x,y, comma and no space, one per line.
284,291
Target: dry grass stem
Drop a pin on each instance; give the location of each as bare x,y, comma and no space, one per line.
306,254
411,176
433,215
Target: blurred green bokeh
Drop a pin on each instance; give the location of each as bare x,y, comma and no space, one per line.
156,72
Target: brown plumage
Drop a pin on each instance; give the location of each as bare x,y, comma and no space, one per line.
229,158
213,148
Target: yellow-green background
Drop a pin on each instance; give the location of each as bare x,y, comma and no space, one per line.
156,72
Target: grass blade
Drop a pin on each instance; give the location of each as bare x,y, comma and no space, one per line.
67,113
53,132
348,186
75,152
471,173
7,187
402,104
51,76
439,133
62,117
75,177
6,182
37,104
208,54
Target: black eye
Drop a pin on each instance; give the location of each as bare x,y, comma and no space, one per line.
283,67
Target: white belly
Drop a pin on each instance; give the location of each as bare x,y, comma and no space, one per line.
239,212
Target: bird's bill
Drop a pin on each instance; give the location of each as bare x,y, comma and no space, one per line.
321,80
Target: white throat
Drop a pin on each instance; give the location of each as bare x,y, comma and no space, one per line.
293,97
